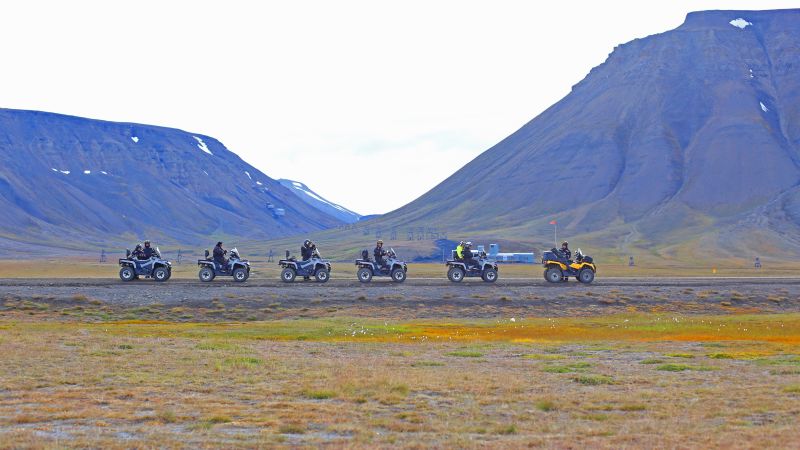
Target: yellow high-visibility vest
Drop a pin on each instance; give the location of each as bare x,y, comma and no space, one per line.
460,252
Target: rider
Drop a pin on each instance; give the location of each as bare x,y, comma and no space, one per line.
137,252
460,251
467,254
379,253
149,251
565,252
219,256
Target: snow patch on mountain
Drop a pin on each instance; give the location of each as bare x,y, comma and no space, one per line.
135,139
763,107
740,23
202,145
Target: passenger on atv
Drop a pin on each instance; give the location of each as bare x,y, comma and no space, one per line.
138,253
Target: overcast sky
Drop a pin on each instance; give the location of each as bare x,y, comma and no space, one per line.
332,93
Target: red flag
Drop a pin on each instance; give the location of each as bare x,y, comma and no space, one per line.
553,222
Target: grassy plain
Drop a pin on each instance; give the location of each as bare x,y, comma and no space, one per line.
638,380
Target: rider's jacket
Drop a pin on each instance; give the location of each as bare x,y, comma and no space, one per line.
219,255
379,253
306,252
460,252
149,252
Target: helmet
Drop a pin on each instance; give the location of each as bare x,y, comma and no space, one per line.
147,243
138,246
468,244
307,243
380,241
219,244
461,243
565,244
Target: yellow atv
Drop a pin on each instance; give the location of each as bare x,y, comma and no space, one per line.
558,269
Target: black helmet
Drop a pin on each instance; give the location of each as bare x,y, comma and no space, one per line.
307,243
138,246
565,244
147,243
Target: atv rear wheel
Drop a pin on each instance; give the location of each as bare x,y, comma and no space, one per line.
455,274
398,275
206,274
322,275
586,275
161,274
489,275
240,274
127,274
553,274
288,275
364,275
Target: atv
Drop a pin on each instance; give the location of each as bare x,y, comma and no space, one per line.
315,267
392,267
237,268
156,268
558,269
483,267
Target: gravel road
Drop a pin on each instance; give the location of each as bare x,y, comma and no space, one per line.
414,299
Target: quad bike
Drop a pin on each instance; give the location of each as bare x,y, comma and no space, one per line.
558,269
156,268
237,268
392,267
315,267
483,267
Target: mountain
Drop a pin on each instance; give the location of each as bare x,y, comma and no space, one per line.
686,141
317,201
66,180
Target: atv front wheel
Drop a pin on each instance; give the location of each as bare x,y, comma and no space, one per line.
127,274
398,275
169,273
240,274
586,275
553,275
288,275
322,275
489,275
364,275
455,274
161,274
206,274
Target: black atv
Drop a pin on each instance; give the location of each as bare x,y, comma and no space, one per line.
392,267
483,267
156,268
237,268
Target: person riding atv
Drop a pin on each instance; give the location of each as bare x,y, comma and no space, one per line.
149,251
219,256
379,253
565,252
311,265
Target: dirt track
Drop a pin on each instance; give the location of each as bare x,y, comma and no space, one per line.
414,299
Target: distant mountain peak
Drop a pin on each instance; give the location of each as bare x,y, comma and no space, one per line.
312,198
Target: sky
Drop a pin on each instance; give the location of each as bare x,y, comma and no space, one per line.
369,103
